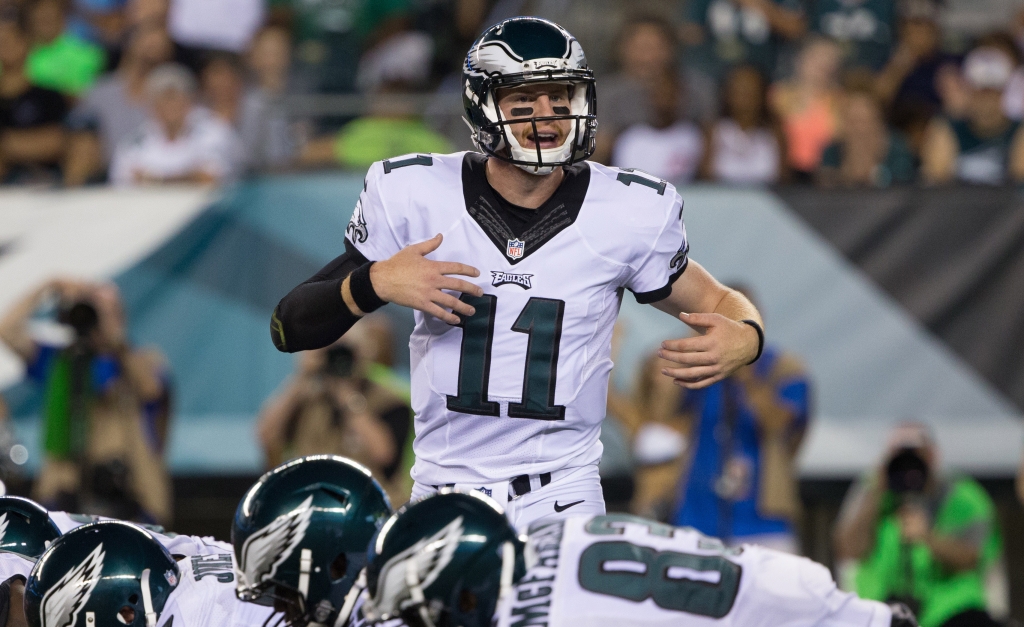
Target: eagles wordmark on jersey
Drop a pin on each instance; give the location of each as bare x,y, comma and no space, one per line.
520,387
516,259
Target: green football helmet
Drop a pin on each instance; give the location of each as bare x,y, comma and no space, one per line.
524,51
25,527
106,574
300,537
443,561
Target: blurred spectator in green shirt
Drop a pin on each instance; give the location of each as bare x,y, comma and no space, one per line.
920,536
390,129
864,29
60,60
725,33
865,152
331,35
392,126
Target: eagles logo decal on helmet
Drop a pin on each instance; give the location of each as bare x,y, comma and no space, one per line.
103,573
25,527
525,51
63,602
300,537
265,550
444,560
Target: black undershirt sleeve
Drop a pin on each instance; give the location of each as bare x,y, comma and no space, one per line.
314,315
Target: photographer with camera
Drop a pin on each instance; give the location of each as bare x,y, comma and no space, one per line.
106,404
920,537
331,406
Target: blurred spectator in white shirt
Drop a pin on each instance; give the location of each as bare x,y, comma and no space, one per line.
745,145
647,50
984,146
181,142
201,26
116,106
667,147
256,114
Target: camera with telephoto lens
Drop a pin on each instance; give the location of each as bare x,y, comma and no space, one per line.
907,472
80,316
340,361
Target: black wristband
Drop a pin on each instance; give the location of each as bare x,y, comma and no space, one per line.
362,289
760,339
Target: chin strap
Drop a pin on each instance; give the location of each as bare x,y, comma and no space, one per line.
508,571
412,580
305,566
350,600
147,600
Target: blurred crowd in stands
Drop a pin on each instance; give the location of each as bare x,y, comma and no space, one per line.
832,92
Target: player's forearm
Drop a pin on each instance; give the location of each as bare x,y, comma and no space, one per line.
314,314
736,306
311,316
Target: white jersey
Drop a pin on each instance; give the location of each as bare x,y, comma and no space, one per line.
623,571
205,596
12,565
175,544
521,386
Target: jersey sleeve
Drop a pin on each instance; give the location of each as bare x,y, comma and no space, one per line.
371,230
665,261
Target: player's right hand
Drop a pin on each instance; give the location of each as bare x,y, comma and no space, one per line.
409,279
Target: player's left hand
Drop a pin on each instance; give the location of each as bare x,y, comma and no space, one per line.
720,348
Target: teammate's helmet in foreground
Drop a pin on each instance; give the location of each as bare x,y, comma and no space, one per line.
300,537
25,527
443,561
106,574
523,51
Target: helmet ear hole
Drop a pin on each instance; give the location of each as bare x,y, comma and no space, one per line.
339,567
126,615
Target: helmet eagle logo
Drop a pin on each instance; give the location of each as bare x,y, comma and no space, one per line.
63,602
425,560
3,526
268,548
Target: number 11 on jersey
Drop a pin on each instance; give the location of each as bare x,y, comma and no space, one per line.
541,319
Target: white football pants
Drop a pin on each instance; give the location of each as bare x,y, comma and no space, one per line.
571,491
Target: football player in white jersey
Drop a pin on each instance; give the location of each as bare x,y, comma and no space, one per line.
23,520
112,573
452,559
300,536
510,362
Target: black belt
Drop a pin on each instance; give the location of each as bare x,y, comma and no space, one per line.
520,485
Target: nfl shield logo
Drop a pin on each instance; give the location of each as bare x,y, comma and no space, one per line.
515,248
